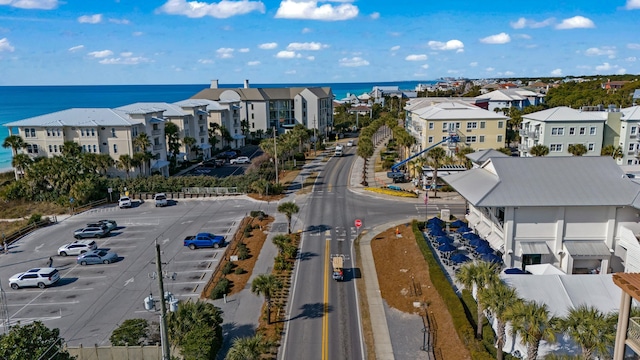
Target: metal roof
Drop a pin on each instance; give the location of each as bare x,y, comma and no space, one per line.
563,113
77,117
456,110
509,95
631,113
152,107
263,94
587,248
481,156
547,181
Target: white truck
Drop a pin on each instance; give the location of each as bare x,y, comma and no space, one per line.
338,150
338,269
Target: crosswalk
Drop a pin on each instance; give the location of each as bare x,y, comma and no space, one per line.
339,233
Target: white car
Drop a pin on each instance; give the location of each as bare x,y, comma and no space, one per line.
241,160
124,202
77,247
350,143
160,199
40,277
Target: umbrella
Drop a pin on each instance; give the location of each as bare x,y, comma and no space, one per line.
470,236
448,247
515,271
435,220
463,229
443,240
460,258
477,242
492,258
438,232
484,249
458,223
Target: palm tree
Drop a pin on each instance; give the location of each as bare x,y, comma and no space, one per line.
189,144
104,162
533,323
259,133
71,150
21,163
172,132
125,162
266,284
141,143
593,330
365,151
288,208
498,299
577,149
614,152
479,275
281,241
14,142
213,130
247,348
436,160
462,156
539,150
226,135
139,159
193,316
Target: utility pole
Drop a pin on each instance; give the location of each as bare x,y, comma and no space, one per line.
315,139
275,151
164,339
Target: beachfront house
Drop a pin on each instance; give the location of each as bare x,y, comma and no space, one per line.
507,98
580,214
96,130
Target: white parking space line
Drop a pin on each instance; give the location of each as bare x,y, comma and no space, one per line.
44,304
188,283
51,290
194,261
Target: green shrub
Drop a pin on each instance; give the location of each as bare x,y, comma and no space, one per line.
239,271
221,288
226,269
280,263
35,218
299,156
259,214
242,252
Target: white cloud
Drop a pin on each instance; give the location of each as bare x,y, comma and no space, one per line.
522,23
509,73
425,66
284,54
309,46
604,67
268,46
452,71
225,53
395,48
31,4
5,45
631,59
556,72
621,71
221,10
253,63
311,10
576,22
609,51
375,16
522,36
290,72
633,46
125,61
76,48
489,69
632,4
120,21
311,58
355,61
449,45
137,33
501,38
205,61
473,64
101,54
90,19
416,57
244,50
306,30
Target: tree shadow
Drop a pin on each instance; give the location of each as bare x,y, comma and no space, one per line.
312,311
306,255
230,331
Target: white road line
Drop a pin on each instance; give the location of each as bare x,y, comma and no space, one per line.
194,271
186,283
193,261
46,304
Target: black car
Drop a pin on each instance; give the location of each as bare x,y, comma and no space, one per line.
213,163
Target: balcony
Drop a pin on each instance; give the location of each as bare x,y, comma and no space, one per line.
535,135
202,122
158,147
203,133
523,147
633,332
156,132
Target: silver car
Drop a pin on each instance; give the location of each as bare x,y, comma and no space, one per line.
77,247
97,257
91,231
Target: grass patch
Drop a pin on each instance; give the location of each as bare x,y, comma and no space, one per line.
9,227
16,209
307,185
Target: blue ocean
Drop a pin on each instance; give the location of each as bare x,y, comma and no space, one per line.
22,102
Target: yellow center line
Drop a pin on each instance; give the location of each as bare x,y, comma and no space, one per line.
325,314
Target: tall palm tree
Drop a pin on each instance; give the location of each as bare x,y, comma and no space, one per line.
533,323
479,275
21,163
189,143
288,208
436,157
125,162
266,284
142,143
577,149
172,132
593,330
247,348
498,299
16,143
71,150
539,150
462,156
365,151
105,162
281,241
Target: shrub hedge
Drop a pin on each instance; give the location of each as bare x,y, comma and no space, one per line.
387,191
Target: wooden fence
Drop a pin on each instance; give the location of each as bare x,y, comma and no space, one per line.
116,352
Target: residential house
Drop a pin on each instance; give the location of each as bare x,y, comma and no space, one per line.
559,127
508,98
96,130
628,329
430,122
636,96
613,85
622,131
577,213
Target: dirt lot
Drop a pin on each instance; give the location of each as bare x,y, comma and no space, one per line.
406,280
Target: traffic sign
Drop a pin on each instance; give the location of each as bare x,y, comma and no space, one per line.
358,223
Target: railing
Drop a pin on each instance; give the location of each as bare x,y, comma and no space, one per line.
27,229
156,132
202,121
157,146
633,331
527,133
202,133
211,190
89,205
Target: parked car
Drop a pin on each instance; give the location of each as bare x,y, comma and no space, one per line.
124,202
40,277
91,232
160,199
97,257
213,163
203,240
110,224
77,247
231,154
241,160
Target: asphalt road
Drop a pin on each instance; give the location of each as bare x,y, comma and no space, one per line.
89,302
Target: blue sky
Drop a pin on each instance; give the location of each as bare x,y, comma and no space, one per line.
56,42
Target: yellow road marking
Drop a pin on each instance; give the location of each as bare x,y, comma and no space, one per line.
325,315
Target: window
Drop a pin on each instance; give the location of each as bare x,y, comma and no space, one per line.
482,124
251,106
156,141
583,130
48,132
50,148
572,131
430,140
252,117
115,148
93,132
555,148
134,131
253,125
471,139
591,146
557,131
472,125
32,148
29,132
633,130
95,149
632,147
629,162
499,138
481,138
201,140
113,132
84,148
500,124
155,127
592,130
200,117
444,126
55,148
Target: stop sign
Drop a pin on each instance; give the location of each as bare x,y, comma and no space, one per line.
358,223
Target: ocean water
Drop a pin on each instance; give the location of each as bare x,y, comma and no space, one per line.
22,102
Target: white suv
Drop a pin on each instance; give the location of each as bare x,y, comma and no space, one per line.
160,199
41,277
77,247
124,202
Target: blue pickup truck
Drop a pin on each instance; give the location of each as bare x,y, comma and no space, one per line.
204,240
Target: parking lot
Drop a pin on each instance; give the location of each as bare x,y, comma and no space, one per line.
89,302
